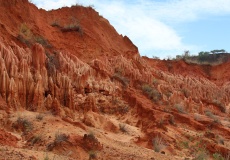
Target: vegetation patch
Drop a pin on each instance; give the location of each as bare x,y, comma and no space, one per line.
39,117
41,40
92,155
59,138
180,108
72,28
91,143
184,144
152,93
123,128
52,63
213,57
35,139
172,120
220,106
55,23
209,114
124,81
158,144
217,156
23,124
202,155
27,37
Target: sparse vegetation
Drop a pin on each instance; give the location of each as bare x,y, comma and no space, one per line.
23,124
55,23
123,128
35,139
197,117
152,93
121,78
155,82
209,114
91,136
59,138
217,156
123,109
41,40
92,155
220,140
216,120
172,120
90,142
25,31
185,92
184,144
213,57
180,108
158,144
120,106
212,116
52,63
202,155
27,37
72,27
39,117
220,106
46,157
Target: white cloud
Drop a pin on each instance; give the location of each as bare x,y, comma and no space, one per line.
147,32
186,10
54,4
146,22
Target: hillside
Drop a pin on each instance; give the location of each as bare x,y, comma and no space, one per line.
72,88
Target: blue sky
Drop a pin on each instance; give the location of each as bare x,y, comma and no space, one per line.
163,28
